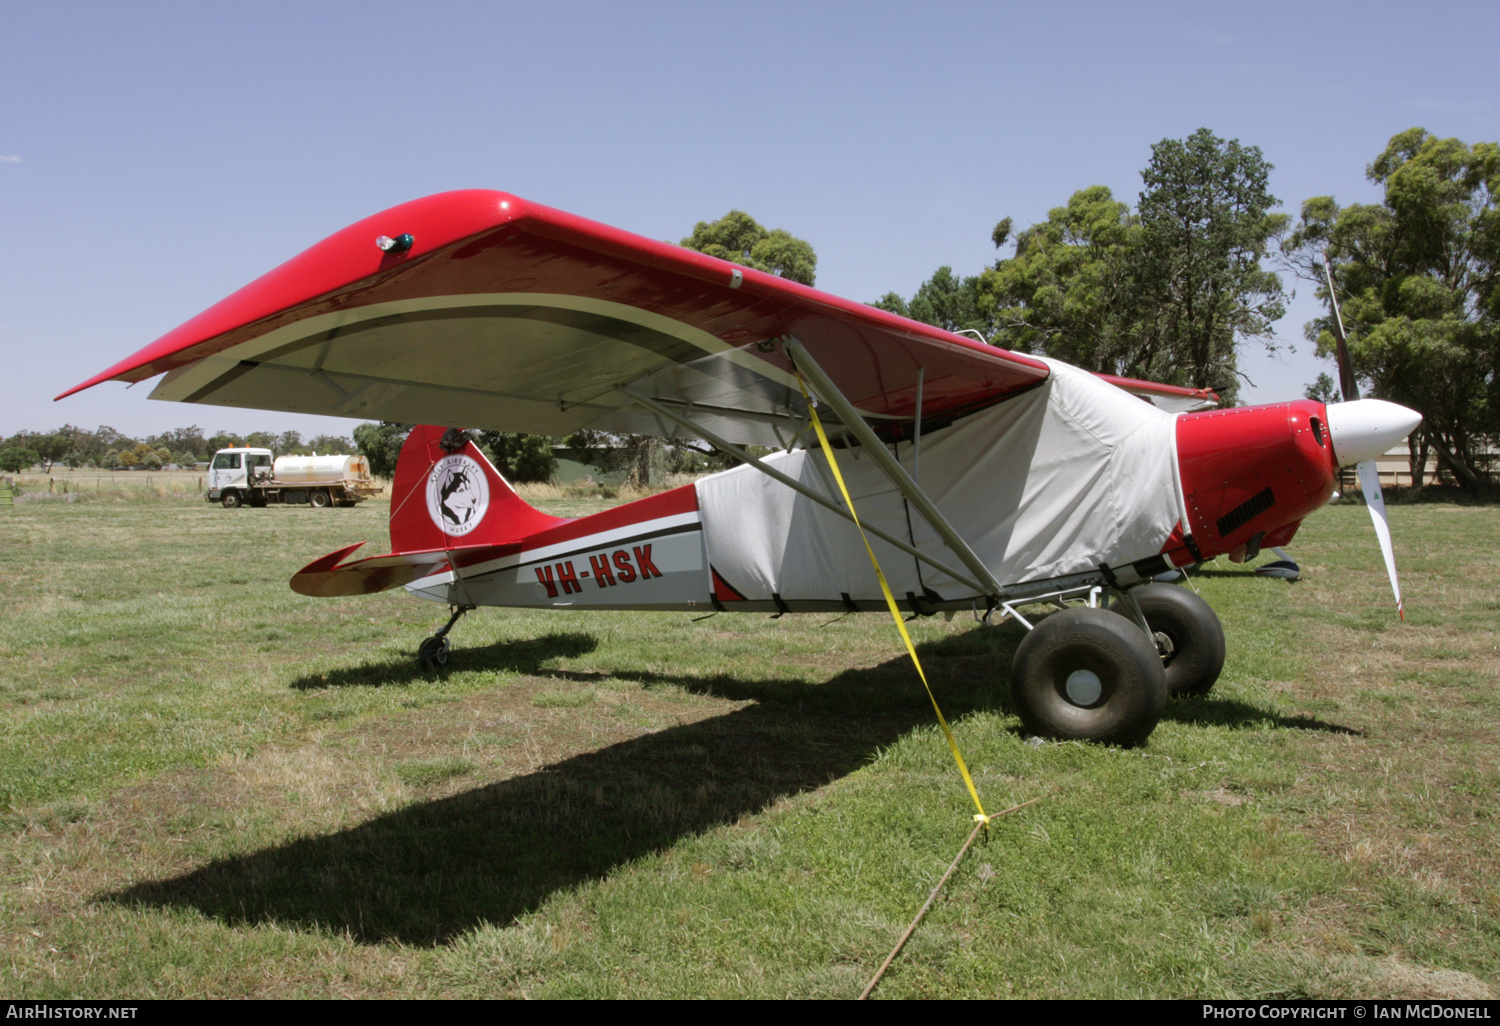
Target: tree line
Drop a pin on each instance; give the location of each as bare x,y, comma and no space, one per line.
108,449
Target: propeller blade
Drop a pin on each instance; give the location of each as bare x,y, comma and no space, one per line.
1369,483
1368,427
1348,385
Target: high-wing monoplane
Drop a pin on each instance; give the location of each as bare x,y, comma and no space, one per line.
985,479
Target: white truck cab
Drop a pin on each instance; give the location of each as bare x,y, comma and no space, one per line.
231,472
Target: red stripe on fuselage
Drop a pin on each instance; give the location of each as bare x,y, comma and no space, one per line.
723,591
655,507
678,500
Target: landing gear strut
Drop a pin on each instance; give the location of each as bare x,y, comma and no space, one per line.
432,654
1187,635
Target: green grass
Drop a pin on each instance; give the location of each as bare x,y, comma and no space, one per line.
214,787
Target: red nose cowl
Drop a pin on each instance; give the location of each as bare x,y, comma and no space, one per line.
1250,475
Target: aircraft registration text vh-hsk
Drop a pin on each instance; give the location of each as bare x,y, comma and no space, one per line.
986,479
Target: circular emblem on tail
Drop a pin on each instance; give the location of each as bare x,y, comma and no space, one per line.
457,495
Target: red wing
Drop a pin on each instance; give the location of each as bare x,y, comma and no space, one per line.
508,315
1169,397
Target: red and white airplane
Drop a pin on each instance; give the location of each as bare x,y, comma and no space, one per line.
988,479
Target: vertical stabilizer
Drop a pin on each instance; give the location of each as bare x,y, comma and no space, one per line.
448,495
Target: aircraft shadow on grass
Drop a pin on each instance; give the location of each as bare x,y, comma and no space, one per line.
435,870
529,656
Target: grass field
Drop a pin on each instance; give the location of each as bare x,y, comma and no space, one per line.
215,787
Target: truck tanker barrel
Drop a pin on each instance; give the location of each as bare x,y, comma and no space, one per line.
320,469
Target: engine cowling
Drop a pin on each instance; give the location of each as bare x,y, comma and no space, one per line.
1249,475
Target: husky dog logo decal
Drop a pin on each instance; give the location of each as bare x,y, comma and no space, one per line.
457,495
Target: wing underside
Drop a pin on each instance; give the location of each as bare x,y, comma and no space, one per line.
512,316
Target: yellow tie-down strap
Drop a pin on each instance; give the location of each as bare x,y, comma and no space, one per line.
890,601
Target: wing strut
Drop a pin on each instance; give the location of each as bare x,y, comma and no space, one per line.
801,489
892,469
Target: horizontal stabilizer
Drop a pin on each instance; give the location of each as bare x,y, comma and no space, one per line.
325,578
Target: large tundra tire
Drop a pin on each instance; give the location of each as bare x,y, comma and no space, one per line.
319,500
1188,635
231,499
1088,675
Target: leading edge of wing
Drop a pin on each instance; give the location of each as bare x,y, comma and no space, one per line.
329,268
480,242
1172,398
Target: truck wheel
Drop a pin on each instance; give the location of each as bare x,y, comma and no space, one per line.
319,500
1188,635
1088,675
231,500
257,500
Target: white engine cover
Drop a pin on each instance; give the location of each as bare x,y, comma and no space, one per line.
1056,481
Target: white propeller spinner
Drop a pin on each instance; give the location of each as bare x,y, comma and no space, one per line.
1363,429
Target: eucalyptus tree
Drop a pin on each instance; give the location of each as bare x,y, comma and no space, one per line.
1168,292
739,238
1418,279
1208,220
1070,290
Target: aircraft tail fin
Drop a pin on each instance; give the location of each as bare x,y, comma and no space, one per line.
448,495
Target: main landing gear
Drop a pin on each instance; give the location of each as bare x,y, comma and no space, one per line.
432,654
1089,673
1187,634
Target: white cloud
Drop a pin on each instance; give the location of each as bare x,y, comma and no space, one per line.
10,160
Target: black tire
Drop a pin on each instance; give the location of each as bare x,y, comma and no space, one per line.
257,501
319,500
1087,675
231,500
433,654
1188,635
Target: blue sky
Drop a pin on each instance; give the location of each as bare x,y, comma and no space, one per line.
155,157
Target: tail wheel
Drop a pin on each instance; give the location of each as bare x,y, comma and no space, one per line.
231,500
319,500
1188,635
1088,675
433,654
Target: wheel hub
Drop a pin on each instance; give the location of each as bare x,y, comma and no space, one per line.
1083,687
